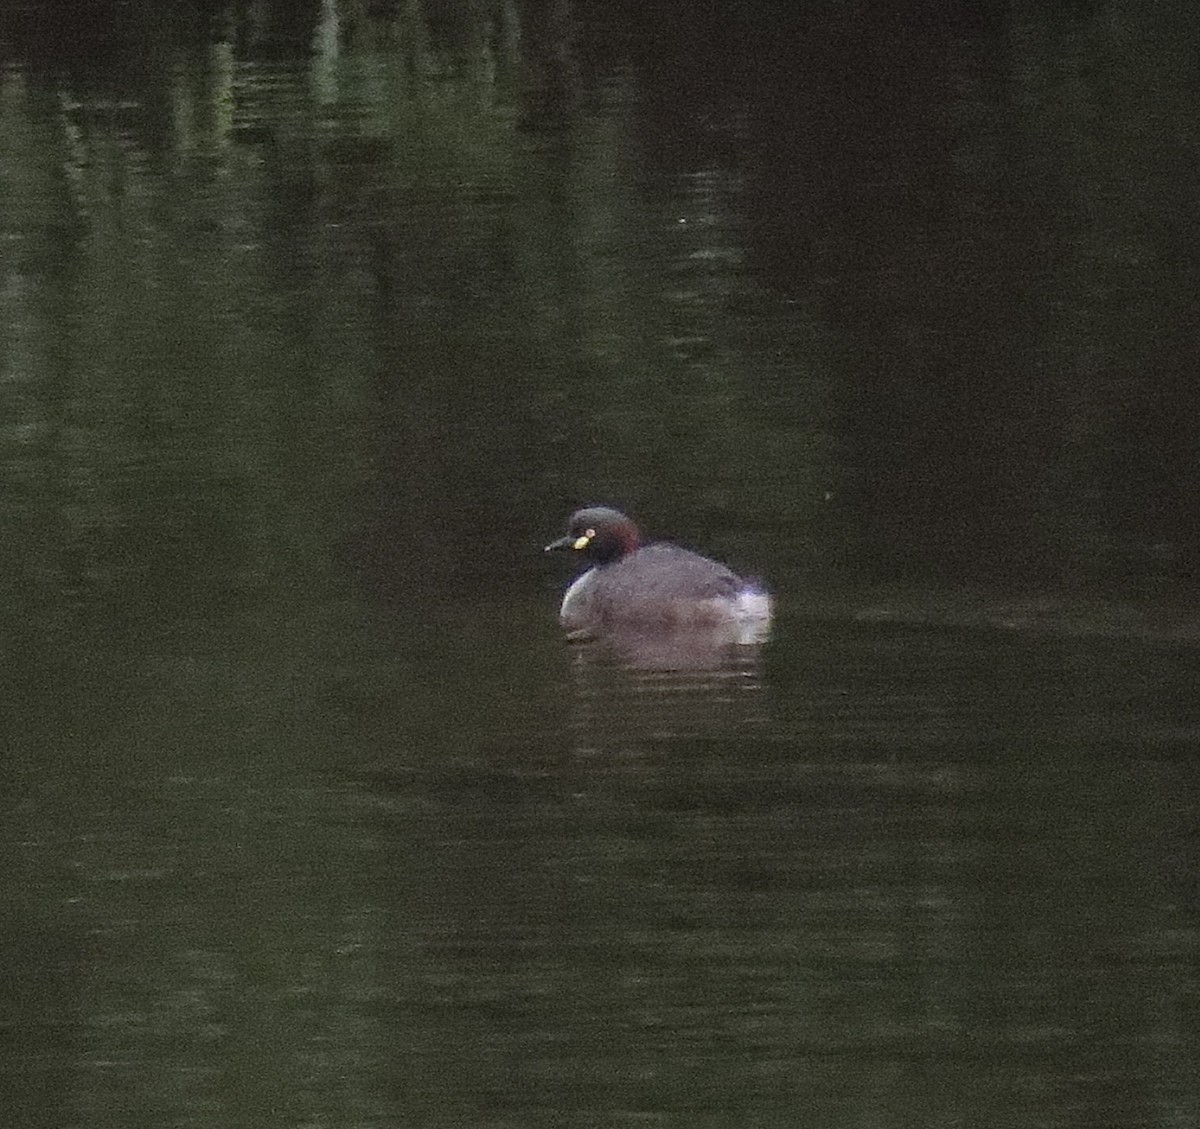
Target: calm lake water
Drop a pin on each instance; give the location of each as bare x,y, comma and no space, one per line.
316,322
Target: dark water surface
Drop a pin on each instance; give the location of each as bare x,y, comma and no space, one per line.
315,323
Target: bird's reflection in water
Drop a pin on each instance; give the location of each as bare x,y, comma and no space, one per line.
632,688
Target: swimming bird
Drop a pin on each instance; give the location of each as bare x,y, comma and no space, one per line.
658,587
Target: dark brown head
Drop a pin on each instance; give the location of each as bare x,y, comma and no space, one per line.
599,534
